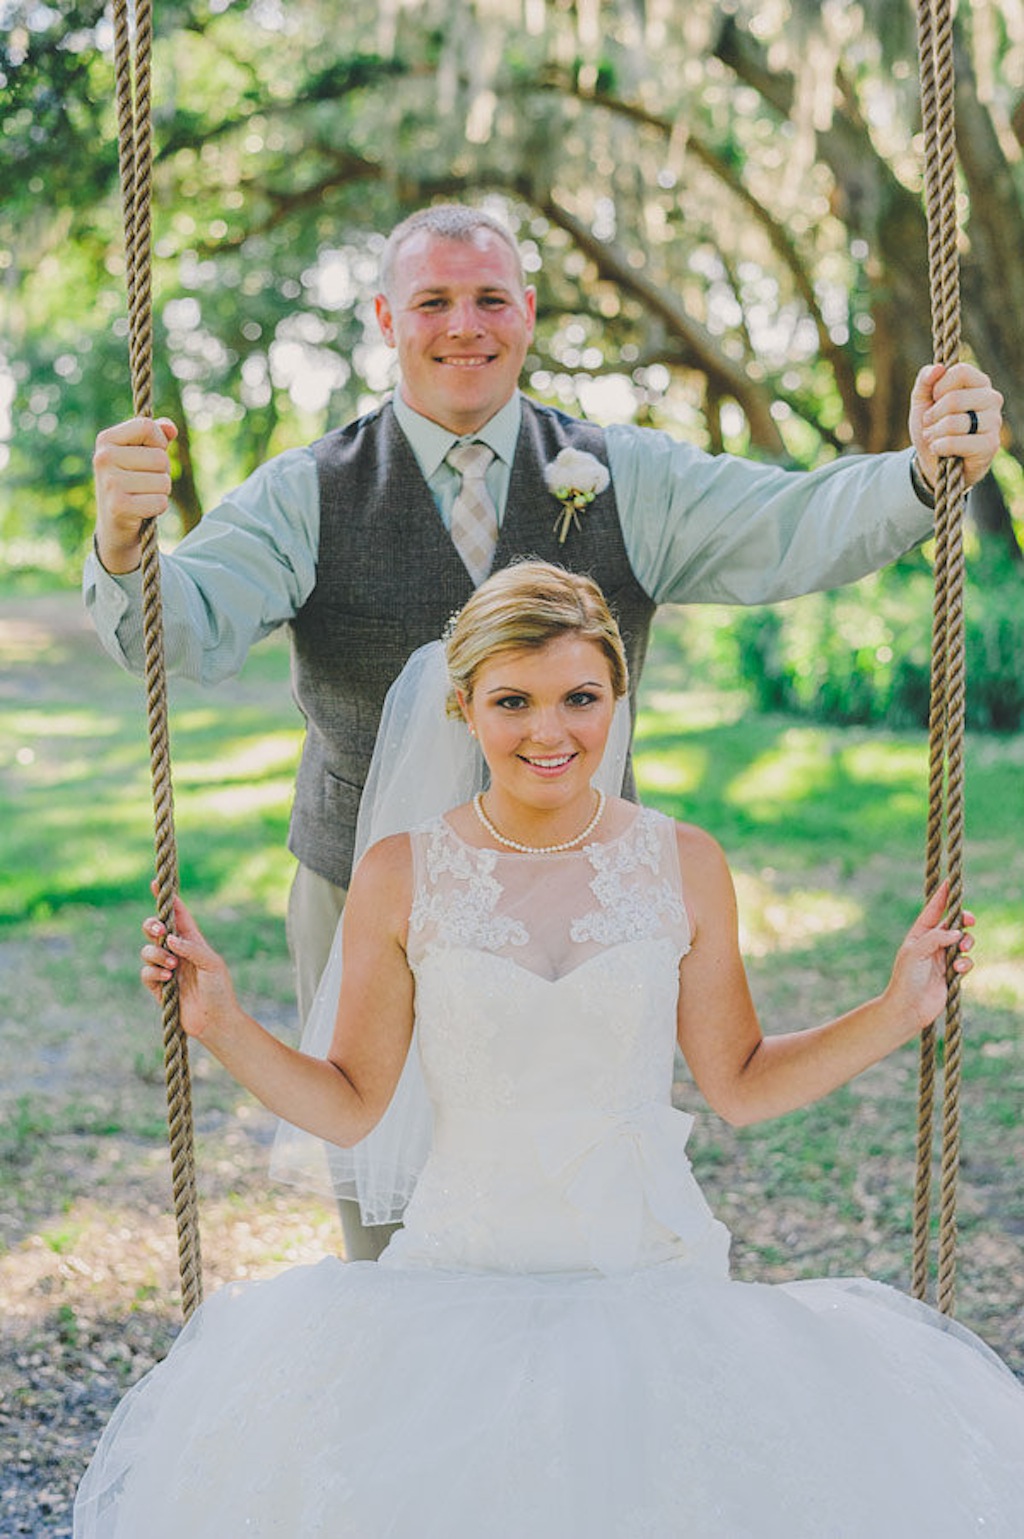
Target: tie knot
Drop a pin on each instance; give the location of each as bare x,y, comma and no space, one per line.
470,460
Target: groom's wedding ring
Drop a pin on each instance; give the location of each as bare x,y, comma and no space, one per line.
972,419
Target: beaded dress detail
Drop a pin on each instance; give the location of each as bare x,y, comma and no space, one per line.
552,1347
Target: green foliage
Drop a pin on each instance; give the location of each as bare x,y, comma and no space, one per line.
69,373
53,99
994,640
757,281
862,655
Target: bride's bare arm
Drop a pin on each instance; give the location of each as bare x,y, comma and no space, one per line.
747,1077
342,1097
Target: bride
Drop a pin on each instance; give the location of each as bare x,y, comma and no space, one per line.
551,1346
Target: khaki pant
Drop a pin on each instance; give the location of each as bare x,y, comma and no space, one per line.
314,909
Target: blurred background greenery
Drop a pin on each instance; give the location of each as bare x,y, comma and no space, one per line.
721,205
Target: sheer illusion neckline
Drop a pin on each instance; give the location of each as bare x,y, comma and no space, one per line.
547,856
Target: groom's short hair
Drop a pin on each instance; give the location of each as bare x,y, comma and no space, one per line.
448,221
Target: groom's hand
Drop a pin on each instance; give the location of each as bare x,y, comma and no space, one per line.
955,412
132,474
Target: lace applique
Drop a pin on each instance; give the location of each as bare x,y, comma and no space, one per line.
633,907
462,912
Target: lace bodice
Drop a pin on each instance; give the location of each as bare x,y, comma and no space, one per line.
546,992
547,913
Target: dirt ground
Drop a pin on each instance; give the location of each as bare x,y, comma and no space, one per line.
88,1252
88,1264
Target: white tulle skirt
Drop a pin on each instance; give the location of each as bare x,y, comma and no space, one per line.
361,1401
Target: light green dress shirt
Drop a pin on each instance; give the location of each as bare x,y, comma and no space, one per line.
697,528
430,443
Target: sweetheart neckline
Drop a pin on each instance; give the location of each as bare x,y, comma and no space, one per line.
445,952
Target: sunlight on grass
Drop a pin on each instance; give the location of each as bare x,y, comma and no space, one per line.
263,876
76,818
114,816
38,725
693,710
879,760
54,767
676,772
1003,933
790,772
807,762
238,802
993,881
999,984
273,753
773,921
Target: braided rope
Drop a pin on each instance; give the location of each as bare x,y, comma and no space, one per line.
132,72
946,712
946,715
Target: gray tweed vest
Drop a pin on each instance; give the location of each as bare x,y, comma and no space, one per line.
388,580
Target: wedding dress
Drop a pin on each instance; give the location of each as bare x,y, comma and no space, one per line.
552,1348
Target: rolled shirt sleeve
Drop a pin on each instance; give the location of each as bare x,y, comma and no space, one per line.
247,568
715,529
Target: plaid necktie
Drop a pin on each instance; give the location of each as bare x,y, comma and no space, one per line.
474,516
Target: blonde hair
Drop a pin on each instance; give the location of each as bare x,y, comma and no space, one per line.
522,608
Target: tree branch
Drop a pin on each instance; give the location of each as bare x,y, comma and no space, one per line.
778,237
701,349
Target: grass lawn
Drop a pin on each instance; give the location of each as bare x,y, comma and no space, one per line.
825,830
824,827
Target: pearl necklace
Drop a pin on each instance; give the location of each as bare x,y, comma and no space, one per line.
537,849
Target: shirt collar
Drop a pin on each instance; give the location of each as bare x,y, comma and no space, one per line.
430,442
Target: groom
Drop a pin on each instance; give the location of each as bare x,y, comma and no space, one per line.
366,542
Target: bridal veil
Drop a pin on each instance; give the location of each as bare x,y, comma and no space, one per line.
424,763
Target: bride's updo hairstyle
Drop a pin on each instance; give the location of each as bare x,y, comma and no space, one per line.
521,608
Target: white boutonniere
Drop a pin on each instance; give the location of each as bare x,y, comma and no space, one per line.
575,479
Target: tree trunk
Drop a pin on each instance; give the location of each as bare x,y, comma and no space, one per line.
184,493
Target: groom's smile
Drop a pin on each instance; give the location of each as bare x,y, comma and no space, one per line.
461,320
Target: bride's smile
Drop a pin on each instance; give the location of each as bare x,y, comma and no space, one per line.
551,1344
542,717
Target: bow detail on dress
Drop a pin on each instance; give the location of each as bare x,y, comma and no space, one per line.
640,1157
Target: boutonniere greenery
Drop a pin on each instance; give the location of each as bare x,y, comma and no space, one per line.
575,478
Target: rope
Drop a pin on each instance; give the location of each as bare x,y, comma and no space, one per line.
132,72
946,712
